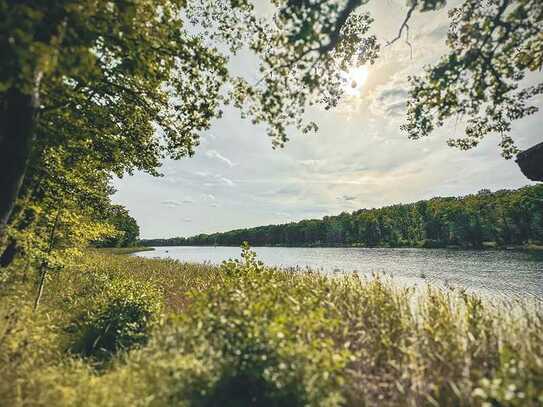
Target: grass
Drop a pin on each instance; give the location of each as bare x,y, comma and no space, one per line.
243,334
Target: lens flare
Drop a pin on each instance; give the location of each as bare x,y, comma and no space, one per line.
354,80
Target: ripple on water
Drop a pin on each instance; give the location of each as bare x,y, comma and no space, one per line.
506,274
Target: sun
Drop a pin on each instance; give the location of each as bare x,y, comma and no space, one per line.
354,80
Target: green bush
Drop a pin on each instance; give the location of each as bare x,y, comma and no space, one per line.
120,320
277,345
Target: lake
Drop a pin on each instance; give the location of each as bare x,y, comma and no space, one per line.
505,274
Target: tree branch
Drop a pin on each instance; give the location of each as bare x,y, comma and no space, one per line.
342,19
404,26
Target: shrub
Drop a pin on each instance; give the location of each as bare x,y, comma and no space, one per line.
121,320
277,343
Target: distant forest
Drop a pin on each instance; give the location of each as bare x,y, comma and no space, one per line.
485,219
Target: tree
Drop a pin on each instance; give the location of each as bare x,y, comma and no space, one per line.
125,225
131,82
64,204
76,72
494,45
120,85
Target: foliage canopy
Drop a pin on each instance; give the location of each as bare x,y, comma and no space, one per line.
496,48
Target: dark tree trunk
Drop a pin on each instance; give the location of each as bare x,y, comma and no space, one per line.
9,254
18,113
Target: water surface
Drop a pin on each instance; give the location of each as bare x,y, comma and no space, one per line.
506,274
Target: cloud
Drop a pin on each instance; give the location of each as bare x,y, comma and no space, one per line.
315,165
206,139
216,155
226,181
348,198
289,190
310,163
213,180
219,180
439,32
171,203
390,99
393,93
174,204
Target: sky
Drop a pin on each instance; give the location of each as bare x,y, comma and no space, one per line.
358,159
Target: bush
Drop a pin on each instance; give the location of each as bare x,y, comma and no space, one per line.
275,334
121,320
245,334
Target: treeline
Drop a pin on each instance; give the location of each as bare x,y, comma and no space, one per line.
502,218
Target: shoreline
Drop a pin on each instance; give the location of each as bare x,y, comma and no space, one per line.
124,250
528,247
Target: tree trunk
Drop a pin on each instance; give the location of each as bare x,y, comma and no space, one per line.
18,114
42,274
9,254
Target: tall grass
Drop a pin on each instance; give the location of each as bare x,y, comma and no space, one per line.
244,334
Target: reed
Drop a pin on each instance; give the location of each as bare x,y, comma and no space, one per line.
245,334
